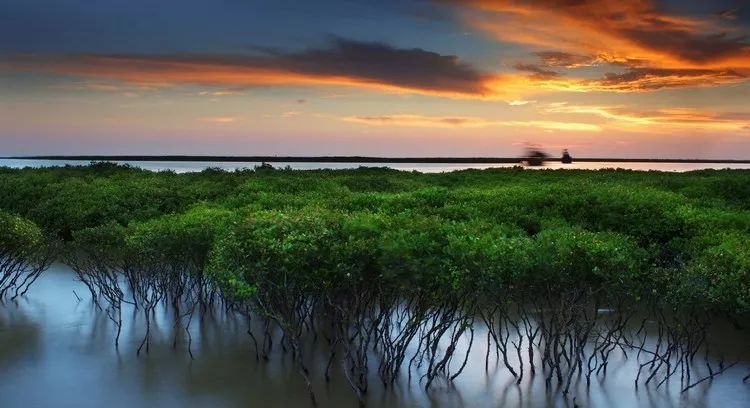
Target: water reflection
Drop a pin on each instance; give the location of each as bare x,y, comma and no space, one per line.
57,350
19,336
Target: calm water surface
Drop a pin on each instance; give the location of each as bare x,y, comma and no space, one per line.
57,351
183,167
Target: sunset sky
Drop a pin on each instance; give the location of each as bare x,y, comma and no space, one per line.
603,78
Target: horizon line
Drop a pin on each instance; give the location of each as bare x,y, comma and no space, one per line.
355,159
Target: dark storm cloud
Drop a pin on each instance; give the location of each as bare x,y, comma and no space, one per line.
382,63
536,71
729,14
649,79
689,46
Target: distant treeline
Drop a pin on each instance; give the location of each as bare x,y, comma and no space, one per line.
362,159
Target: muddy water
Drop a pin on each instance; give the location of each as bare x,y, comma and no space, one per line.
58,351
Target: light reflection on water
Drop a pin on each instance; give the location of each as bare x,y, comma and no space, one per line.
58,351
190,166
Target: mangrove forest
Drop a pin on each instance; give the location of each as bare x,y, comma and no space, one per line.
401,276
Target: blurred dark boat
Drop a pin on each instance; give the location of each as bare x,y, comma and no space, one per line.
566,158
534,157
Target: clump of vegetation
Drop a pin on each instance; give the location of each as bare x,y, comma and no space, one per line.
24,255
376,259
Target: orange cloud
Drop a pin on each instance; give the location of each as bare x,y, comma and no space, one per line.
465,121
388,69
148,73
649,79
342,63
616,31
565,60
536,72
631,80
519,102
162,72
100,86
668,119
418,120
224,92
219,119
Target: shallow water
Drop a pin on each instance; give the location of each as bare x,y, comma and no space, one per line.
188,166
58,351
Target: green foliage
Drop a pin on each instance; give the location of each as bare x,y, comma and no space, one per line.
720,274
570,256
679,237
179,239
105,242
19,238
24,254
273,249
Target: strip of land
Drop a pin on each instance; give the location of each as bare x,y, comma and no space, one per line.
360,159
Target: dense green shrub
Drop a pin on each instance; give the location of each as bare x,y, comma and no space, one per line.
679,237
18,235
24,254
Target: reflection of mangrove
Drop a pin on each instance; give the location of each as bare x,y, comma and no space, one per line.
142,280
565,337
402,275
18,334
564,334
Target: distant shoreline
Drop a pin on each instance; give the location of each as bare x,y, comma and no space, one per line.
357,159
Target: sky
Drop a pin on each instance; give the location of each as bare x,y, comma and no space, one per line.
602,78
